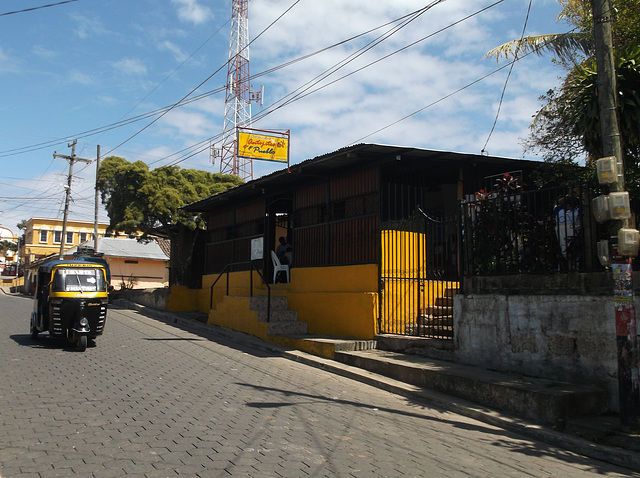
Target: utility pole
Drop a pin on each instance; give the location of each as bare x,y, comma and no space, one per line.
625,313
95,217
72,159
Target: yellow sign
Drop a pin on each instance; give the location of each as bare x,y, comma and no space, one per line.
265,147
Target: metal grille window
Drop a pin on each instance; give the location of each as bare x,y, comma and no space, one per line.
544,231
310,216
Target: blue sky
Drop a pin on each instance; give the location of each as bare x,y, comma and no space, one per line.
87,65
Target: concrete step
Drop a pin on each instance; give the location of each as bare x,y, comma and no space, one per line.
277,315
444,301
451,291
322,346
258,302
436,310
431,320
440,331
541,400
280,320
287,328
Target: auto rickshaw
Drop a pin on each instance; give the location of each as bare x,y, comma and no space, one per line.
70,301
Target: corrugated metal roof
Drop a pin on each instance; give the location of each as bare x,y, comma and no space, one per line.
128,248
345,159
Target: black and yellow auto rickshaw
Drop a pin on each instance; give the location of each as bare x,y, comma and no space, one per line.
70,301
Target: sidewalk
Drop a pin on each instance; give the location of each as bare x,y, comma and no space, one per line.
599,437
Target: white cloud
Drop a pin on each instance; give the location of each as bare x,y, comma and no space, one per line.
130,66
87,27
8,64
190,124
80,77
192,12
171,47
44,52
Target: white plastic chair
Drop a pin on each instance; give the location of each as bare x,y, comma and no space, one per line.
277,267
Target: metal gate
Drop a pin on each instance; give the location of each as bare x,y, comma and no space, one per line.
419,276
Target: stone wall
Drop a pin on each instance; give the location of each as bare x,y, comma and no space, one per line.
153,298
565,338
560,327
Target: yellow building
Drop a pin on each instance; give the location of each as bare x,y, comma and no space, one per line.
373,230
42,237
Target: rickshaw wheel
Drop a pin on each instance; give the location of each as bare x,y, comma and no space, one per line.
82,343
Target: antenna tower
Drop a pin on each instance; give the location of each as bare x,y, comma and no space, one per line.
237,106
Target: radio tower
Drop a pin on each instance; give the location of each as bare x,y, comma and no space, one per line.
237,106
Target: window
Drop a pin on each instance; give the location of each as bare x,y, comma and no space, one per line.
79,280
43,236
69,238
57,236
83,237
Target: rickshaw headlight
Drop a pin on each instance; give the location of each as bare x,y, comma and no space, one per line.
84,322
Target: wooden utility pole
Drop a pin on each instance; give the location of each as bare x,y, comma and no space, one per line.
625,313
95,218
72,159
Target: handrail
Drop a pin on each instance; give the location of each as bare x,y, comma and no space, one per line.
252,267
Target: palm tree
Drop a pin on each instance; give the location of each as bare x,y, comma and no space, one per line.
577,44
567,126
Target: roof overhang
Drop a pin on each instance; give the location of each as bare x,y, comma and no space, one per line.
343,160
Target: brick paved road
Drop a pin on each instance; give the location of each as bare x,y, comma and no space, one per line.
153,400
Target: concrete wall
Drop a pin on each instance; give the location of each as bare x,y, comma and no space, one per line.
154,298
566,338
560,327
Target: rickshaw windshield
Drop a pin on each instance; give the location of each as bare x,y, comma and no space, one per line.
78,280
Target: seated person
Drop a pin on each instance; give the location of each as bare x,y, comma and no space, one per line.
284,251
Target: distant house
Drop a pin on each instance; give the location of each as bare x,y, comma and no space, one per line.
42,237
133,264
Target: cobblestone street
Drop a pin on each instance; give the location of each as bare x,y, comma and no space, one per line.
154,400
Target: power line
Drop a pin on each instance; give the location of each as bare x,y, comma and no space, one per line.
292,97
37,8
202,146
201,83
183,102
506,81
308,93
339,65
449,95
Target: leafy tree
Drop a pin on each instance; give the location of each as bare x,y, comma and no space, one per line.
139,199
567,126
578,44
8,245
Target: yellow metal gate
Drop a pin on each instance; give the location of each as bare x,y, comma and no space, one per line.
419,277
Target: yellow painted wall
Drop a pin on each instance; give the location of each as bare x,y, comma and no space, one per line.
233,313
335,301
33,248
404,257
